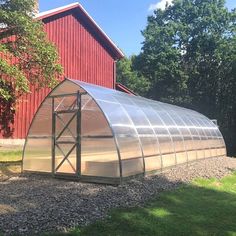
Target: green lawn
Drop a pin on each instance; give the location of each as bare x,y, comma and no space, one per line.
206,207
10,155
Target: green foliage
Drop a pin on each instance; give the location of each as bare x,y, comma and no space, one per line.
205,207
130,78
26,56
188,55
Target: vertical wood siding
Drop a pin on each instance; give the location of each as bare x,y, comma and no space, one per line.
82,56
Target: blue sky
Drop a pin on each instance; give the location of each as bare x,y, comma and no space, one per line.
122,20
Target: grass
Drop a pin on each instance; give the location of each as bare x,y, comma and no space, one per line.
205,207
10,156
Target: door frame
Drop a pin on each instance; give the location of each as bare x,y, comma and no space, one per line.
77,143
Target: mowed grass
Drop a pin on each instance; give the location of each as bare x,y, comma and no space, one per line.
10,155
205,207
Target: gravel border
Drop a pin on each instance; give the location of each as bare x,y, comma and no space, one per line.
32,204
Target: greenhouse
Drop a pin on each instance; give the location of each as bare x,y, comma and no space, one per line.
87,132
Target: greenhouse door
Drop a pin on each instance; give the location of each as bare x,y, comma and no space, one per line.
66,133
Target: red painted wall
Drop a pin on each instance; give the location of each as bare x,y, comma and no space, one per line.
83,56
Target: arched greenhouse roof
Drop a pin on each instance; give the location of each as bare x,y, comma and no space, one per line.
100,134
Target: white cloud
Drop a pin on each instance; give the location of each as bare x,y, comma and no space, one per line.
160,5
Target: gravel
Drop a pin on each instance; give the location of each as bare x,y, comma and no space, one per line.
31,204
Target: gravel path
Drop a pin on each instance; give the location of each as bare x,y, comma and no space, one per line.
32,204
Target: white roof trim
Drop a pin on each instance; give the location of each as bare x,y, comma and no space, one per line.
55,10
102,31
41,14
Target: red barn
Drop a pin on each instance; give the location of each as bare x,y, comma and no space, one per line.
85,51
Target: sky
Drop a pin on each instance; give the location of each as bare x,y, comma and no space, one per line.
122,20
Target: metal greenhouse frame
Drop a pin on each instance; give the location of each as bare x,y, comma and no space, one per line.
87,132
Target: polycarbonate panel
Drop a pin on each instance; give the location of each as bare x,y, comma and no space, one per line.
118,129
37,155
38,146
66,87
145,127
42,123
62,164
132,167
65,103
93,121
153,163
98,149
99,157
67,120
169,160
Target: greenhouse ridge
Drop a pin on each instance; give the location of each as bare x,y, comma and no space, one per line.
97,134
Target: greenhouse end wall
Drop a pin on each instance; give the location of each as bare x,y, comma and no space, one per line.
83,130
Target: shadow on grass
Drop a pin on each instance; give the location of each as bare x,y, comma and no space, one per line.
190,210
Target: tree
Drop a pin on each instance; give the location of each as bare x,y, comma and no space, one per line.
26,56
188,55
131,78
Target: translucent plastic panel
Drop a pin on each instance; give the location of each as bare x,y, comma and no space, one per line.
127,138
153,163
189,145
132,167
214,152
93,122
166,145
66,87
185,133
124,99
65,164
199,137
196,140
37,155
192,155
181,157
174,129
66,127
119,126
149,144
168,160
129,147
166,118
116,114
137,116
163,140
42,122
99,157
178,142
38,148
204,131
145,132
65,103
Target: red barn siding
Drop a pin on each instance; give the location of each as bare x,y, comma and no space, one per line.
83,57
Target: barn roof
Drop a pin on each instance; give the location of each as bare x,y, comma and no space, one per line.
77,8
122,88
